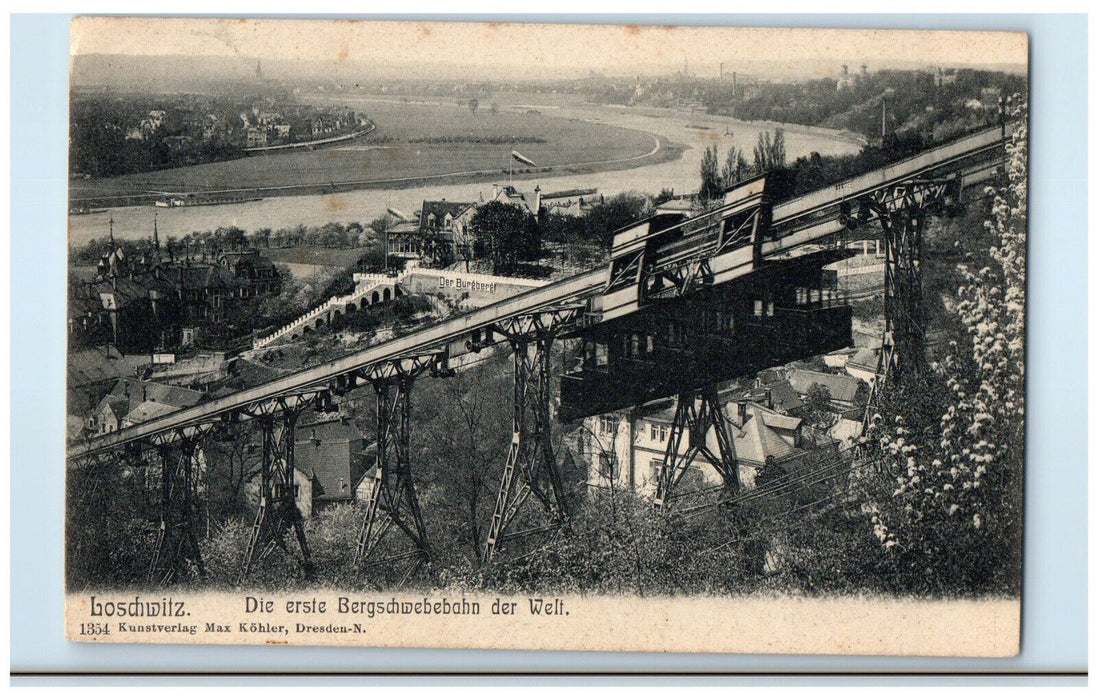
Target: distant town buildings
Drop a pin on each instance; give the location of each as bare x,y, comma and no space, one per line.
440,234
160,300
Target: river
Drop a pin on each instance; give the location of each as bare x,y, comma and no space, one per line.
694,130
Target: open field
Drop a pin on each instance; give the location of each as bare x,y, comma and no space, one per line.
474,146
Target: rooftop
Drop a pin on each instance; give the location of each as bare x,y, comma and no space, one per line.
842,388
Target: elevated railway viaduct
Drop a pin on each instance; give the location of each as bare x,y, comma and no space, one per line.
682,304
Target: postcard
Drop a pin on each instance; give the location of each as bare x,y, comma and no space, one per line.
544,336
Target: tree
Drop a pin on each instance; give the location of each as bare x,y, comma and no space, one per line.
615,213
770,152
506,233
382,223
261,238
474,105
818,401
735,167
949,509
467,420
712,186
231,238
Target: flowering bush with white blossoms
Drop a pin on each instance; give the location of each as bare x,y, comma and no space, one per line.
947,506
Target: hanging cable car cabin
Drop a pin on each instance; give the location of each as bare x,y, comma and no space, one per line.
691,302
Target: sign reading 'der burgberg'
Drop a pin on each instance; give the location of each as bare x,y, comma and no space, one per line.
471,285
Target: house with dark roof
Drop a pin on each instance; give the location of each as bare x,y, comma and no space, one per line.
255,274
143,304
331,454
132,401
438,237
109,415
846,392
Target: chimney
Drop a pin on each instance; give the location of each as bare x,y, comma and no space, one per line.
769,397
741,407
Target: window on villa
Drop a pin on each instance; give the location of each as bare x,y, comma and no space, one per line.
602,355
607,466
726,321
606,425
675,334
758,307
769,308
656,465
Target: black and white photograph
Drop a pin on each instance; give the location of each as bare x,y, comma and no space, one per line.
546,336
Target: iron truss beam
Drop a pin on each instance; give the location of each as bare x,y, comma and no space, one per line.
696,415
531,467
393,501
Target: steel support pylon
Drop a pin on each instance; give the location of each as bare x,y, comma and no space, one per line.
392,500
905,324
696,414
531,467
176,548
278,512
901,211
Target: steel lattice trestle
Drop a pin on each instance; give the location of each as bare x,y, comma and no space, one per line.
905,326
695,415
393,499
278,511
176,546
531,467
901,211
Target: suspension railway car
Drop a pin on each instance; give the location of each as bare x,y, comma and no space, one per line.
670,255
785,311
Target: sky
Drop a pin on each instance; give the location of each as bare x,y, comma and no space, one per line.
575,49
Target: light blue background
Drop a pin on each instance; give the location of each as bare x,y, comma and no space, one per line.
1055,602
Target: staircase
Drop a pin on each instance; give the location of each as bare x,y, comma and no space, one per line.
369,289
